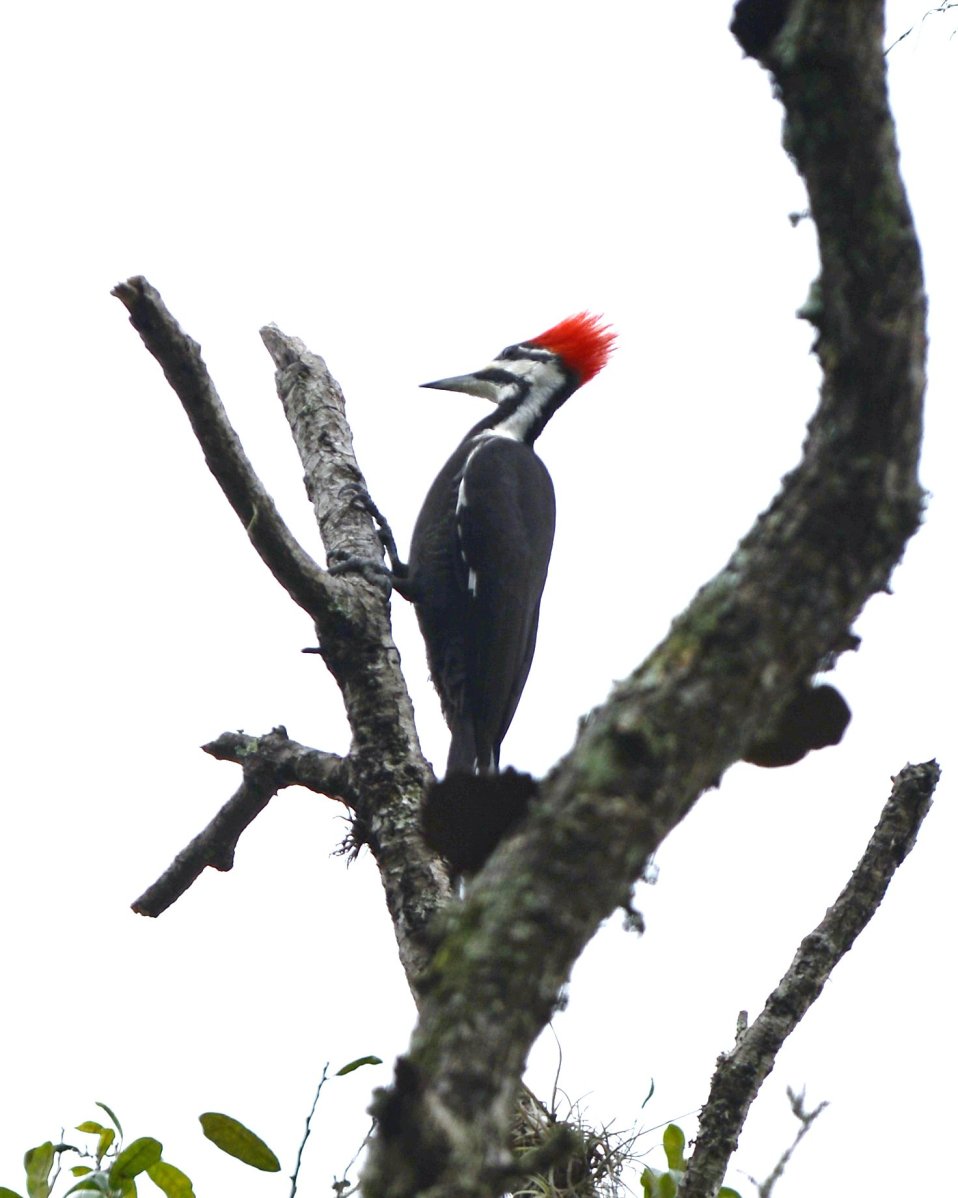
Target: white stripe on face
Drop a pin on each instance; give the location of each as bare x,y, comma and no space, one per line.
543,379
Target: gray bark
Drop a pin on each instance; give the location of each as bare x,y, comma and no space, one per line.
487,972
783,605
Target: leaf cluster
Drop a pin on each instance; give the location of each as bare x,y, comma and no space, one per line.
111,1170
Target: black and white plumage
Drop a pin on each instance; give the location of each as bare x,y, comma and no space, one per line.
481,545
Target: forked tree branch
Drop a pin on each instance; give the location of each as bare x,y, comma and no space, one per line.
488,973
384,774
784,605
741,1072
269,763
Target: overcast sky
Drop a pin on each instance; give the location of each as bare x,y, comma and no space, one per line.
410,187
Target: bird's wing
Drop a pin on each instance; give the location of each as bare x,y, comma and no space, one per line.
506,523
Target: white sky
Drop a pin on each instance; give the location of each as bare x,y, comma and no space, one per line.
409,188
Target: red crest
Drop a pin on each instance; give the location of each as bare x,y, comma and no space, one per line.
583,343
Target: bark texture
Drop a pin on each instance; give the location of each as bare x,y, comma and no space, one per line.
383,776
487,972
782,607
741,1072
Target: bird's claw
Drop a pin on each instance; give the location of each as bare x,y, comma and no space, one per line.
373,572
360,498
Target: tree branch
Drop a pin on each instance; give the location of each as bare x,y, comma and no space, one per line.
269,763
740,1073
186,372
385,772
316,410
291,763
387,768
783,606
806,1119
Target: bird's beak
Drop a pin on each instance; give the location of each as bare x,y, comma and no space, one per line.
469,384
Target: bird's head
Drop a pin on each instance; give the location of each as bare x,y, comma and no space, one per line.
531,379
573,351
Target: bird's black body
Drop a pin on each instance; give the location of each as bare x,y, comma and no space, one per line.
480,638
478,563
481,545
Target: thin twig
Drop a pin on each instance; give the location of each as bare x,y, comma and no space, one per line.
806,1119
341,1187
302,1144
944,7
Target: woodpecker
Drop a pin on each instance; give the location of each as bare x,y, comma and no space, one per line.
481,545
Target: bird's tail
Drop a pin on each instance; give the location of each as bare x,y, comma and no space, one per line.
465,755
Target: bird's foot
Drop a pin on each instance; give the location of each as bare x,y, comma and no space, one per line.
375,573
360,498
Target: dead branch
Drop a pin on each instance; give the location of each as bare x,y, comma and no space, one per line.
269,763
385,768
487,973
291,763
741,1072
186,372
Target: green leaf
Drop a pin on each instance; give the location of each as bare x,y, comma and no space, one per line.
358,1064
659,1183
5,1193
80,1170
673,1141
727,1192
105,1136
139,1155
98,1181
38,1162
172,1181
113,1118
230,1136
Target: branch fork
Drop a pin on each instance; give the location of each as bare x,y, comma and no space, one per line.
487,975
